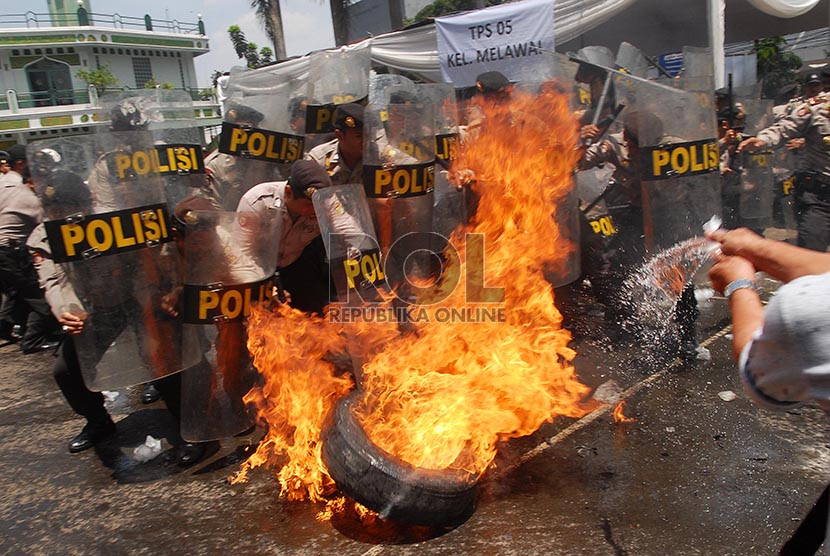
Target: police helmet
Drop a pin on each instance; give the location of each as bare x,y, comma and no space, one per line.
129,114
66,189
45,161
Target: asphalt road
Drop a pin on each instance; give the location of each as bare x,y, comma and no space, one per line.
693,474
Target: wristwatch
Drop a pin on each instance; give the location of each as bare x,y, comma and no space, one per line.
739,284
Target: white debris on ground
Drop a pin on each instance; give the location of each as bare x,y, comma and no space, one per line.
147,451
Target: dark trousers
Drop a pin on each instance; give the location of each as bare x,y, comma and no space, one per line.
18,280
610,261
307,279
89,404
812,216
67,373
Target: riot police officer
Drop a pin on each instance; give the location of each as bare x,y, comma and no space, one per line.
627,248
810,121
301,264
229,177
20,212
342,157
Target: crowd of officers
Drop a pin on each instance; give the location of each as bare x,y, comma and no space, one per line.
802,124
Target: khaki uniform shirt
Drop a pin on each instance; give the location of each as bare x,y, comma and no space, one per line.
231,176
327,155
810,120
296,231
614,151
20,210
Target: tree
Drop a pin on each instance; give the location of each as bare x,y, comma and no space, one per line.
100,78
152,83
254,56
775,67
270,16
444,7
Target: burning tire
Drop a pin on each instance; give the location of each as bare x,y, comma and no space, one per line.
391,487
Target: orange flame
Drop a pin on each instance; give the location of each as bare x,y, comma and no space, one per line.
444,393
618,414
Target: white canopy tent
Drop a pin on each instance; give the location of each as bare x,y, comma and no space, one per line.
655,26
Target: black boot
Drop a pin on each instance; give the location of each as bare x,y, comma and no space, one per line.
150,394
92,433
192,453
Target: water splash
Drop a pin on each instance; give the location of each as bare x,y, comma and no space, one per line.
651,292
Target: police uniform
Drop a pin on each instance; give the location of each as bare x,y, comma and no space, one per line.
327,155
302,262
297,231
810,120
229,176
627,247
348,116
20,213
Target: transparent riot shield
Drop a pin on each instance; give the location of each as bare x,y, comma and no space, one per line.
178,143
698,74
351,245
227,271
399,179
114,245
676,156
757,172
556,72
355,261
334,78
631,60
449,208
70,154
257,143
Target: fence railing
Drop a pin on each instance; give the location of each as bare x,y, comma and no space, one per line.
13,100
82,17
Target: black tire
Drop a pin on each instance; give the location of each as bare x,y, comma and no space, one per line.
389,486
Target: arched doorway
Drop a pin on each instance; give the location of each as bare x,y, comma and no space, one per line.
50,82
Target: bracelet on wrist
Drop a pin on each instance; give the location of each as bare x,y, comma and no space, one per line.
739,284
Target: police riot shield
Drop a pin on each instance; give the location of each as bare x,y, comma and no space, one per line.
398,176
334,77
351,244
555,73
227,270
448,208
257,143
698,73
178,142
113,242
676,155
757,177
70,154
631,60
356,266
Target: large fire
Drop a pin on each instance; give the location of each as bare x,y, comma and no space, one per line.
444,393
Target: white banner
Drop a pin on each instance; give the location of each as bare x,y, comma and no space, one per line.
503,38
